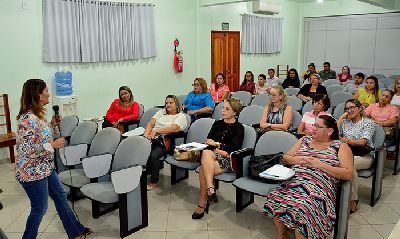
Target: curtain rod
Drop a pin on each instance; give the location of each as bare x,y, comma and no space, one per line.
112,3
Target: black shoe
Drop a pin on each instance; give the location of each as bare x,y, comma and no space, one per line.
212,198
87,231
196,215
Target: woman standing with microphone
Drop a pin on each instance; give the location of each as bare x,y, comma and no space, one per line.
35,172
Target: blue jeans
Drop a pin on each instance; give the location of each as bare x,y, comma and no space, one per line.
38,192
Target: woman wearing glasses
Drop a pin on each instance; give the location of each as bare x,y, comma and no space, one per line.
319,161
277,114
321,104
248,83
198,102
356,129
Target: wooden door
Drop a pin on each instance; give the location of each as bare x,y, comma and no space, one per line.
225,57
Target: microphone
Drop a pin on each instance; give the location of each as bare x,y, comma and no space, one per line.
56,109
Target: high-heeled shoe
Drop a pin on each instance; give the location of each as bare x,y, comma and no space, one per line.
196,215
212,198
355,208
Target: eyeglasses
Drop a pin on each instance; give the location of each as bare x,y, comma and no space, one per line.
196,84
319,126
350,108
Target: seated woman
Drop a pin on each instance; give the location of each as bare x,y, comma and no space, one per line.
248,83
198,102
292,80
319,161
165,121
277,115
383,113
122,109
219,90
321,104
226,135
308,91
370,93
345,75
357,130
396,98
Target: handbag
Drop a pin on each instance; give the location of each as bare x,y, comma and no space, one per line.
193,156
259,164
389,132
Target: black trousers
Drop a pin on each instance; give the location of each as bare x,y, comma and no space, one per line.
153,163
106,124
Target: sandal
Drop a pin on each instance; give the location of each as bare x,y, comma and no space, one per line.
355,208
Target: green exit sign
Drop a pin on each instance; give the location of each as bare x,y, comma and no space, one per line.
225,26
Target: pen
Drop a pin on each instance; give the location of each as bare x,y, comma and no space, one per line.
268,174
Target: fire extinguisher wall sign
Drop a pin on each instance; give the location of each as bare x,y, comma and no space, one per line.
178,57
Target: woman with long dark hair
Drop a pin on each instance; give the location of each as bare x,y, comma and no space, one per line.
248,83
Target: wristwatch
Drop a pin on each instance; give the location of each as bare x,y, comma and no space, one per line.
268,125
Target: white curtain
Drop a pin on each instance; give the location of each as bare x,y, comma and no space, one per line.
97,31
261,34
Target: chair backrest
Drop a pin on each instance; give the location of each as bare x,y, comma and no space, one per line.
83,133
339,110
244,96
132,151
381,85
296,120
378,139
260,100
307,107
5,113
105,141
379,76
295,102
387,82
330,82
250,137
334,88
199,130
274,142
292,91
181,98
147,115
394,77
251,115
141,111
348,82
217,112
68,124
340,97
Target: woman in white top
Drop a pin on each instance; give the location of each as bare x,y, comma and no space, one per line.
165,121
396,98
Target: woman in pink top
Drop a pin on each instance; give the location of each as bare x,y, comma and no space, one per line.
122,109
321,104
345,75
383,113
218,90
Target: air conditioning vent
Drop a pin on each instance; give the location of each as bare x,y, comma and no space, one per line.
266,8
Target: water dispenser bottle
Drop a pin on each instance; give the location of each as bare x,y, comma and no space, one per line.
63,83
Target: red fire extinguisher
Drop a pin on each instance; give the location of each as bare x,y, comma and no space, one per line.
178,58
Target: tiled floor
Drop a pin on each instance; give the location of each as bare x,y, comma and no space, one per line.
170,209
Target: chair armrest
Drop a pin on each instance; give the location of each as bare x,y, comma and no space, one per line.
241,153
71,155
173,137
97,166
241,161
126,180
256,126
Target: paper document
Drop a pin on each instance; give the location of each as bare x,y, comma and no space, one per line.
278,172
192,146
135,132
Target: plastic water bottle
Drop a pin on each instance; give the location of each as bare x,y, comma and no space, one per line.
63,83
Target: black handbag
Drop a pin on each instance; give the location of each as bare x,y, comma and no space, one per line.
259,164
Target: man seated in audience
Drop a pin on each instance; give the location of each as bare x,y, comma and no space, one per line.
327,73
272,80
353,86
383,113
306,74
262,87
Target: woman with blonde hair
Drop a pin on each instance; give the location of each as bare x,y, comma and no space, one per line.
122,109
198,102
308,91
277,114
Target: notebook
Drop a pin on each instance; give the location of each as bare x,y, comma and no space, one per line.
135,132
191,146
277,172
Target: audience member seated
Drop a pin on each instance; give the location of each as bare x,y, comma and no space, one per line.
319,162
248,83
226,135
277,114
396,98
219,90
353,86
321,104
345,75
198,102
261,86
165,121
308,91
122,109
292,80
356,130
327,73
370,93
310,70
383,113
272,80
